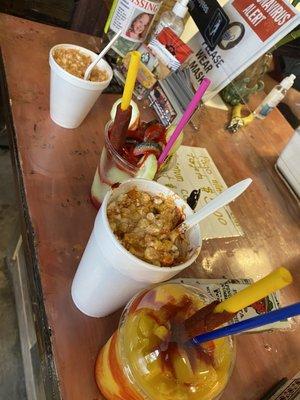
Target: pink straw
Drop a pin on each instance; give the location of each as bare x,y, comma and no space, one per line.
185,118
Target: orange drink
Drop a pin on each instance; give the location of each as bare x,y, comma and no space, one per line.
144,359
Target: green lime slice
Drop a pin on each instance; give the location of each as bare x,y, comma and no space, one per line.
148,167
178,141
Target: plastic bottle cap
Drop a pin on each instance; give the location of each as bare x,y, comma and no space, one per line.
180,8
287,82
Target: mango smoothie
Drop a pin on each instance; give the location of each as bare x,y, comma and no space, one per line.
145,359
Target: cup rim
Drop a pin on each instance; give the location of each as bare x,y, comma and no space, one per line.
145,264
84,50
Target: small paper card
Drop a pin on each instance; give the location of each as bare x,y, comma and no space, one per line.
174,45
170,49
221,289
289,391
195,169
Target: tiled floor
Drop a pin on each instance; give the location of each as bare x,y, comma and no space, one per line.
12,385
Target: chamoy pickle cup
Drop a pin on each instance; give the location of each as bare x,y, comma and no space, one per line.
137,158
144,360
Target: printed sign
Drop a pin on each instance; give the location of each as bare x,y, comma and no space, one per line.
254,27
264,16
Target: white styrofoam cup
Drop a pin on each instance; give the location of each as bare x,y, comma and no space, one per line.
108,275
71,98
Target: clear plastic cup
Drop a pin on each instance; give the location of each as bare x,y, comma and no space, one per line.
108,275
112,169
145,360
71,98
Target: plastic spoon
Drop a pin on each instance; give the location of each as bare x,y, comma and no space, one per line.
101,55
220,201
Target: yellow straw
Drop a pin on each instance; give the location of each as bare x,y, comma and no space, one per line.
110,15
276,280
130,79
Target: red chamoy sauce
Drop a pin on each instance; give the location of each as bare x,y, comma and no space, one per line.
148,138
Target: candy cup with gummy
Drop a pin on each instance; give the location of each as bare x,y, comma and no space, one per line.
137,157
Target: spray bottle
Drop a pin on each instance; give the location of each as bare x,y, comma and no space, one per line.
274,97
172,19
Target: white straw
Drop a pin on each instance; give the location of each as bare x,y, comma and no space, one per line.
101,55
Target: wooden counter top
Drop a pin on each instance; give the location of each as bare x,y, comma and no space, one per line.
54,168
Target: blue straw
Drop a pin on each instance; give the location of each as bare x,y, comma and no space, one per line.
255,322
